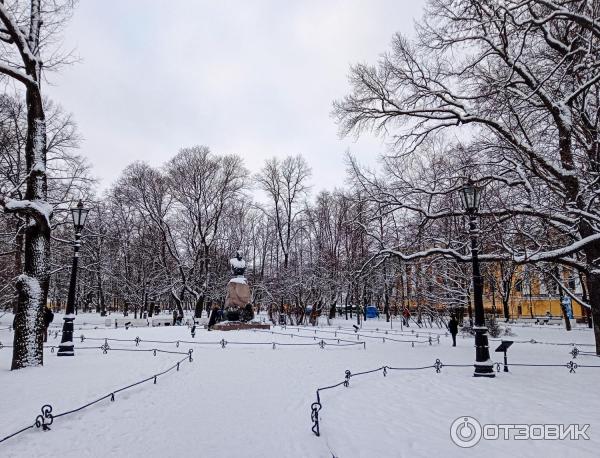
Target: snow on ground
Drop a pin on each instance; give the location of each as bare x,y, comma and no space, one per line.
253,401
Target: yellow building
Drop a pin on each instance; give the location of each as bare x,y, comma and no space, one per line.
530,295
530,298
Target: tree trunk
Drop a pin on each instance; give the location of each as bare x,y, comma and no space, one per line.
179,301
506,299
593,284
332,310
565,316
386,307
32,285
584,298
101,297
18,260
199,306
592,254
365,302
151,308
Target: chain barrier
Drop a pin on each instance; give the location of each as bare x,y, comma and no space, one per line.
362,332
322,343
533,341
314,337
57,329
437,365
340,342
412,332
576,352
106,348
430,337
358,336
82,327
46,418
431,334
416,334
552,326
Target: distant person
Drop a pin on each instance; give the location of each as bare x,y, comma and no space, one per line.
405,316
174,317
453,328
48,318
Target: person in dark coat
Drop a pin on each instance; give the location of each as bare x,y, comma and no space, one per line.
174,317
453,328
48,318
214,317
405,316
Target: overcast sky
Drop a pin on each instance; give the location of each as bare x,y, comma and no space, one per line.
251,77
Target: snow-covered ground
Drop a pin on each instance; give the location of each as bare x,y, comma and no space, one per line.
254,401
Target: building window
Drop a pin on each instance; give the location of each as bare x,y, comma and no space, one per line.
519,286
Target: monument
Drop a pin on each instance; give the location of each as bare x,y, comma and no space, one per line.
238,311
238,291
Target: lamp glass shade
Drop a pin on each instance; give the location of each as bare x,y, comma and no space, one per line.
471,197
79,215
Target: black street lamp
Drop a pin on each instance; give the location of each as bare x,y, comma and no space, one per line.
471,195
66,347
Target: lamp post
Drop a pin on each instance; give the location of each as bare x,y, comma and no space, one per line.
66,347
471,196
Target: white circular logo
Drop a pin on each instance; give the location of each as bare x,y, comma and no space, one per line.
465,432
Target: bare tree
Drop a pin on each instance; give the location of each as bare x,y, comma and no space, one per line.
204,186
26,28
285,183
523,93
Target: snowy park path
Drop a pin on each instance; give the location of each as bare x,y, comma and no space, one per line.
253,401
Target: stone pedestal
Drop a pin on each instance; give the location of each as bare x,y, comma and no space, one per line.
238,294
237,307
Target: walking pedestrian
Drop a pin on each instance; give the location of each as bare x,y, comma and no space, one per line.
453,328
48,318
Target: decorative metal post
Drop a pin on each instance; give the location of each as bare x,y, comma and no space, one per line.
66,347
483,364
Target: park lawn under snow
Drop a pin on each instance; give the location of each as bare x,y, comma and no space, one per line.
253,401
